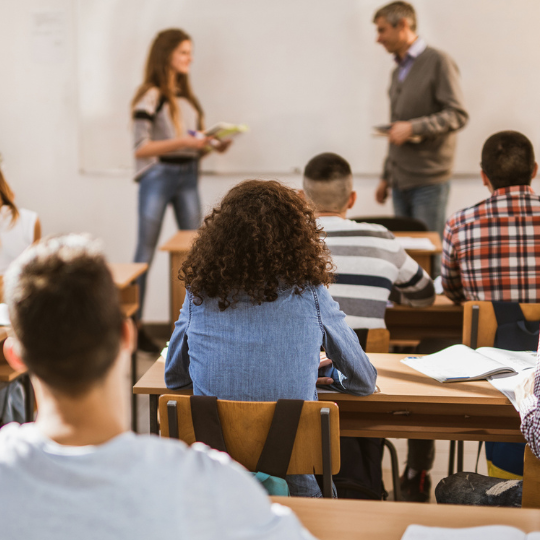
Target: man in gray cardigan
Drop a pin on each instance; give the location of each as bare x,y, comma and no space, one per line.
426,109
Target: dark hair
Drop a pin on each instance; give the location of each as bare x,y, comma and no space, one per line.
65,312
327,166
508,159
395,11
261,237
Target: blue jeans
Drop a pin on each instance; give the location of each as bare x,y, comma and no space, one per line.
426,203
162,184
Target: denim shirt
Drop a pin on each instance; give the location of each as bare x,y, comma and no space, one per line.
266,352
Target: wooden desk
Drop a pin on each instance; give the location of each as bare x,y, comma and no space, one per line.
410,405
179,245
441,320
329,519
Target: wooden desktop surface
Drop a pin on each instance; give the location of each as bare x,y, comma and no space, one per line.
329,519
179,245
124,274
409,405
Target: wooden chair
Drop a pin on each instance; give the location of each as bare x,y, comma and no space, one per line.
480,323
479,330
531,480
374,340
245,426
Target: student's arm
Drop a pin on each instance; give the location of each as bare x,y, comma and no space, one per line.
452,115
530,414
352,371
37,231
177,362
413,286
240,507
450,271
158,148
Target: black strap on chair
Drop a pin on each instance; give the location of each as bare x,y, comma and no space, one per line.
514,332
206,422
276,453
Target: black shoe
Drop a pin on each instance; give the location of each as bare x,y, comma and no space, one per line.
146,344
417,488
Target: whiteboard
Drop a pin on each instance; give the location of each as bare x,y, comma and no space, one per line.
305,75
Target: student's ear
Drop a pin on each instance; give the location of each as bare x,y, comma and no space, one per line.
535,170
352,200
129,335
485,181
12,356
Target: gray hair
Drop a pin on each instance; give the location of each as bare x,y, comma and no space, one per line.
396,11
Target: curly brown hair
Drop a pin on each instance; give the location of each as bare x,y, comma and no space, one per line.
261,237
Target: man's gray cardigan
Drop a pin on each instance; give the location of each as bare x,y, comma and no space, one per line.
430,98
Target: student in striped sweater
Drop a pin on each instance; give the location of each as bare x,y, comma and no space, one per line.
372,266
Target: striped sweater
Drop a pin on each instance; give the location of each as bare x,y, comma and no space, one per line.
370,262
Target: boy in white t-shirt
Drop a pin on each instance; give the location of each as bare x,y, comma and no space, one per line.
78,470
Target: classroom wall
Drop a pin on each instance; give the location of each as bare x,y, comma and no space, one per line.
39,143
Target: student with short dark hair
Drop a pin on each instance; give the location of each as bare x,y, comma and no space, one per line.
491,250
78,468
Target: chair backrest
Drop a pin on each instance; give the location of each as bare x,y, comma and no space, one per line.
395,224
531,480
374,340
479,322
245,426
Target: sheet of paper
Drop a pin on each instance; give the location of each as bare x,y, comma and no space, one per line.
491,532
4,315
507,385
519,360
409,242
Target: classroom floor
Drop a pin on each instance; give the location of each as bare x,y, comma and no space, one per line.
440,467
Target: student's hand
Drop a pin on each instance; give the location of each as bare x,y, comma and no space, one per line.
196,143
324,363
221,146
400,133
381,193
525,388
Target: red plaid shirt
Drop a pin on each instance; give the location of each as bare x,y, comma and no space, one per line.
491,251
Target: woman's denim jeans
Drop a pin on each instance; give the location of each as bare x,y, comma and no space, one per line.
165,183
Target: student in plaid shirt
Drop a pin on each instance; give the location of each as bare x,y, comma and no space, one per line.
491,251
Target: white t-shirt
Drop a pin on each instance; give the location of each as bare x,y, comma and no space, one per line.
15,239
132,487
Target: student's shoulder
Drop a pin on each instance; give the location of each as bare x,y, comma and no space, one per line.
149,101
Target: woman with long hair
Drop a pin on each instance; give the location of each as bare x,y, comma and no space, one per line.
257,310
168,120
19,227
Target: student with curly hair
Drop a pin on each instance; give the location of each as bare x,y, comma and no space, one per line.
257,310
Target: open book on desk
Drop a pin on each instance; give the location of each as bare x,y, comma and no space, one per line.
460,363
489,532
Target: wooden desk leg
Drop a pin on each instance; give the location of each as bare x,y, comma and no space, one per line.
531,480
29,402
154,426
134,423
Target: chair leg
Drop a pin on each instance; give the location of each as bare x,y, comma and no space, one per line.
460,446
395,468
326,453
172,416
451,457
